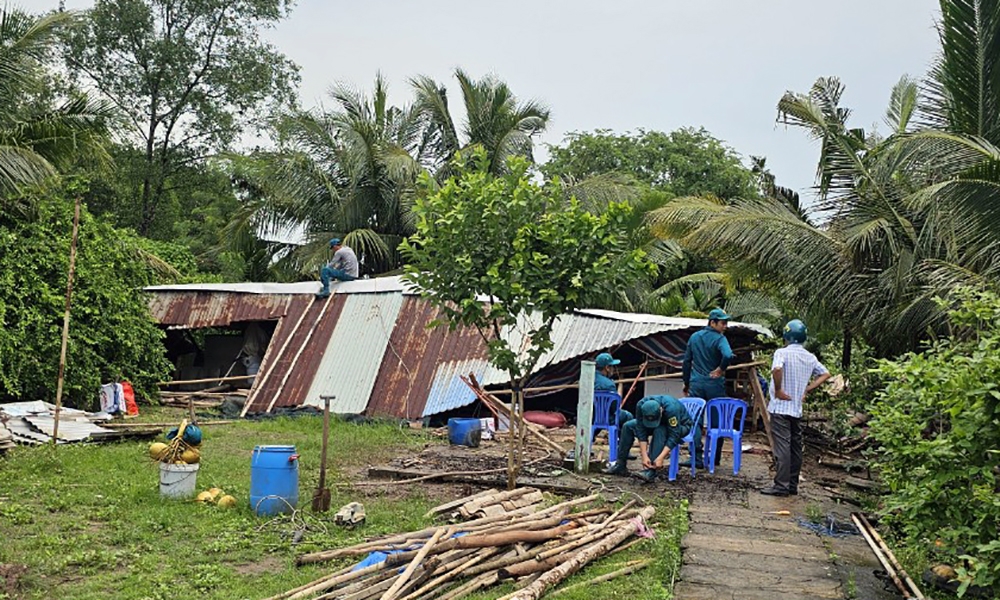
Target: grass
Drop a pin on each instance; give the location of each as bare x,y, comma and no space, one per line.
88,522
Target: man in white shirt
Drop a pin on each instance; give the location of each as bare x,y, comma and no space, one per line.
791,371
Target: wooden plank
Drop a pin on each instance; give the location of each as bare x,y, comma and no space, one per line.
752,579
750,546
761,403
298,353
584,416
776,565
701,591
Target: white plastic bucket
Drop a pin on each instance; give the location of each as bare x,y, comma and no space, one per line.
178,481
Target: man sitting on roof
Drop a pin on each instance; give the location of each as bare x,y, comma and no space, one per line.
342,267
661,425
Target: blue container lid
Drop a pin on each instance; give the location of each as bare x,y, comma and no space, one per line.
274,449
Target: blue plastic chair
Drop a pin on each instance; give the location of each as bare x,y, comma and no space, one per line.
606,405
726,412
694,407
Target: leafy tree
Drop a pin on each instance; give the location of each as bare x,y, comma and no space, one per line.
187,76
935,424
347,172
495,120
111,333
685,162
39,133
530,252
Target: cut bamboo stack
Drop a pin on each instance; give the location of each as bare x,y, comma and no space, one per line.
508,536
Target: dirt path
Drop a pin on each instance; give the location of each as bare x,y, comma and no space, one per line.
741,546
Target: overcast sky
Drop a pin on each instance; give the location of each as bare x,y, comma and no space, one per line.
623,65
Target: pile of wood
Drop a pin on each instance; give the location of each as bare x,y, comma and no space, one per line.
201,399
509,537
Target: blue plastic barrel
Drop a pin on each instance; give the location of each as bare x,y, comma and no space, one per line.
274,480
464,432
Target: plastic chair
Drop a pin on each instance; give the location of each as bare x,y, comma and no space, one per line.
694,407
726,412
604,404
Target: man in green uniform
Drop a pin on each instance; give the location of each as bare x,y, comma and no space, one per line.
602,378
661,424
704,370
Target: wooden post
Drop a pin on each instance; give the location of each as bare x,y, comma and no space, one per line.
65,331
584,416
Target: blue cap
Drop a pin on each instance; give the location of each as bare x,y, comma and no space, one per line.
717,314
650,412
334,242
605,360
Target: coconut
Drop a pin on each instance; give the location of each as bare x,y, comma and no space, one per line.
227,501
157,450
191,456
205,497
214,492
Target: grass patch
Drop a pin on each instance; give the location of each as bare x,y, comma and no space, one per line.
88,522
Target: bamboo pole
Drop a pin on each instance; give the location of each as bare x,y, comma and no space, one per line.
881,557
196,381
891,556
556,388
630,567
390,594
65,330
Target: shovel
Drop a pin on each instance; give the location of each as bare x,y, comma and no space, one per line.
321,498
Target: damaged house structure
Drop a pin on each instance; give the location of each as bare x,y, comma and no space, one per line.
371,347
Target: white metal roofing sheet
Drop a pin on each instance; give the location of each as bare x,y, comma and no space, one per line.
354,352
374,285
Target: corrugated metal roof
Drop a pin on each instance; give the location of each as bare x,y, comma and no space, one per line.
69,430
354,351
673,322
298,371
448,391
193,310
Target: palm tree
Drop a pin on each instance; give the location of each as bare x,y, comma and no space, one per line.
38,138
495,119
347,172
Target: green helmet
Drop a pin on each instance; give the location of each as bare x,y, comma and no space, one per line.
795,332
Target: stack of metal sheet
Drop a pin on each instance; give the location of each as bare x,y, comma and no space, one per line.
34,423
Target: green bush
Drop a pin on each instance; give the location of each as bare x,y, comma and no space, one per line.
112,335
938,426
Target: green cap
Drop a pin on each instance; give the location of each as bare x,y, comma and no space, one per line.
605,360
717,314
650,413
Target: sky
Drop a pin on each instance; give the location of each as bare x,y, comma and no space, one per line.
656,65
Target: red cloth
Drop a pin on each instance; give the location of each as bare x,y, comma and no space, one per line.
546,418
131,408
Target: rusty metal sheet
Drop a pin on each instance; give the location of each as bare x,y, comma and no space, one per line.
193,310
299,374
354,352
412,359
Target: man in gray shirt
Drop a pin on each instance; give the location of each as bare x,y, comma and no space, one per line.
342,267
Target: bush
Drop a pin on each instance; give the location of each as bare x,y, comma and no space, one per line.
937,425
112,335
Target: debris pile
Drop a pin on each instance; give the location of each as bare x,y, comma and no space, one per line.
6,438
509,537
34,422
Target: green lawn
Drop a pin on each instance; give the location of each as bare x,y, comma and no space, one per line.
88,521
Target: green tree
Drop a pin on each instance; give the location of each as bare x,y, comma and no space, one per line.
495,120
347,172
685,162
531,253
39,133
111,333
189,77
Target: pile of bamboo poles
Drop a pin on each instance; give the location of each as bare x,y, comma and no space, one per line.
535,547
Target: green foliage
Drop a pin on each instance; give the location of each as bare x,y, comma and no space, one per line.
938,427
188,78
112,336
685,162
522,245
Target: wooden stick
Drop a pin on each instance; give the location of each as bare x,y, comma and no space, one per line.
881,557
65,331
194,381
497,406
573,564
402,579
456,503
761,403
450,574
334,575
630,567
642,370
142,425
556,388
437,475
258,384
480,582
892,557
298,353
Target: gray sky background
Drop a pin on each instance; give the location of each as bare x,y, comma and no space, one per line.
719,64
